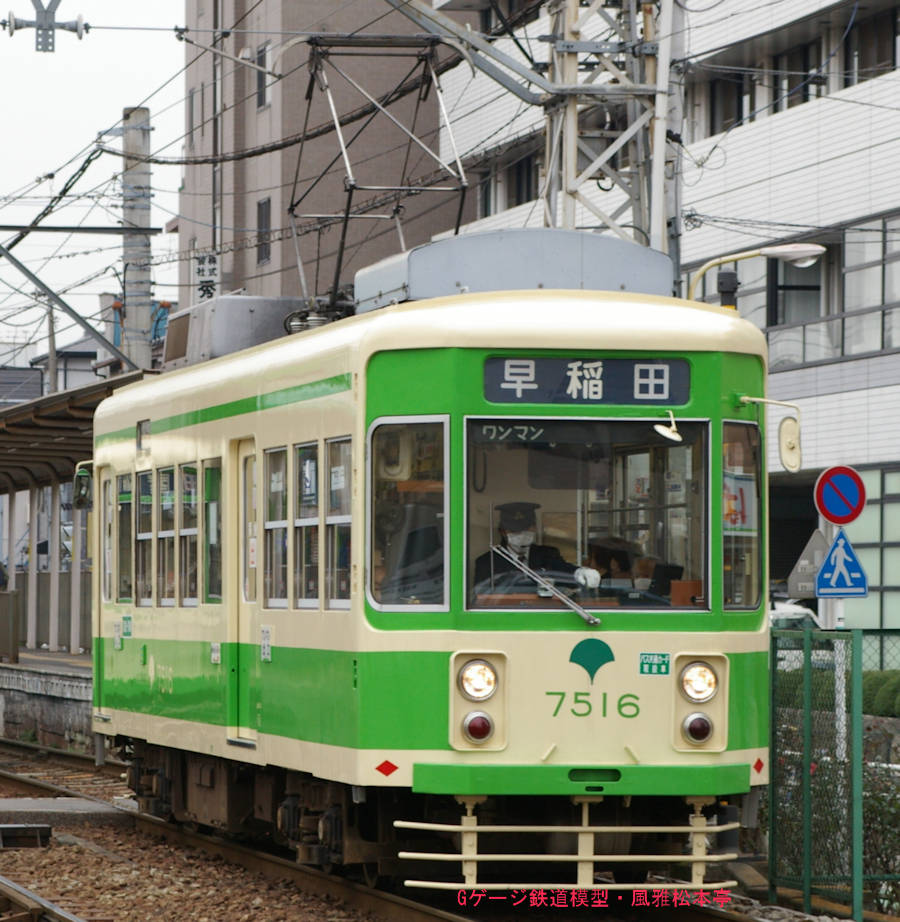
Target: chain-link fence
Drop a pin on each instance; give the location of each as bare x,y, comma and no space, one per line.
834,815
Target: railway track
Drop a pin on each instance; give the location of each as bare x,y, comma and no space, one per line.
30,769
17,903
35,770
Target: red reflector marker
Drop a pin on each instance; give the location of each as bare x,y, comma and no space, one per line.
478,726
386,768
697,728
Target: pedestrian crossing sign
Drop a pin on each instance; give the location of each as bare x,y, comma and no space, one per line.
841,575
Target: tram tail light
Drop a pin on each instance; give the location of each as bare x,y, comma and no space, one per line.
697,728
478,726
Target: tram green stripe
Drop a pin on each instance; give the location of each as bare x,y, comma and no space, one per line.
335,697
748,700
288,395
685,780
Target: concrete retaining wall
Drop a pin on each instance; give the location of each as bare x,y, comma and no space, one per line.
51,709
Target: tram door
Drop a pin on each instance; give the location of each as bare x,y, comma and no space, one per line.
246,572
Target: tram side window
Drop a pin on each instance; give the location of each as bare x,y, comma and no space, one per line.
187,534
165,546
144,534
337,523
249,527
276,528
407,516
741,526
123,485
107,504
212,529
306,526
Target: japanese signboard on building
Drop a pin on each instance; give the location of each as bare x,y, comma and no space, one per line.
206,276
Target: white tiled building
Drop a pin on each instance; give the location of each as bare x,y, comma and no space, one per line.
791,132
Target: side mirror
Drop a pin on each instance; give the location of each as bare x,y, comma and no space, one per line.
789,444
788,432
83,485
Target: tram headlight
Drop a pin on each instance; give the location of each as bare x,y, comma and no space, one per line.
699,682
478,680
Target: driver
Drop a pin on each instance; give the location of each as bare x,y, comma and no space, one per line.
517,533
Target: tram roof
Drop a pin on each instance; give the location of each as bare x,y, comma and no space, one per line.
42,440
546,319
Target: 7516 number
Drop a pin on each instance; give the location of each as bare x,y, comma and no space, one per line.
627,705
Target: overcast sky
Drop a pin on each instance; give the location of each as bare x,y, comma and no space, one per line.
53,107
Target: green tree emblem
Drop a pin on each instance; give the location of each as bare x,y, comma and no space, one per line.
591,654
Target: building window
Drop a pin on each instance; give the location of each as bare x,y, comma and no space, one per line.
190,118
510,11
797,78
870,48
306,526
275,572
337,523
485,193
522,181
875,537
731,101
263,230
262,79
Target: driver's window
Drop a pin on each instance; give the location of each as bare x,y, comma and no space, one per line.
609,513
408,517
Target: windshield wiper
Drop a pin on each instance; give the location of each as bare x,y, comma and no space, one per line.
507,555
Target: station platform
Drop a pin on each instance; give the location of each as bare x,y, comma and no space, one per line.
46,698
62,811
51,662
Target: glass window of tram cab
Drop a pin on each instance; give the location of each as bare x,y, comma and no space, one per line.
612,513
614,497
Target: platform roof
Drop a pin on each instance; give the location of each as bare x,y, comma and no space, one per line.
42,440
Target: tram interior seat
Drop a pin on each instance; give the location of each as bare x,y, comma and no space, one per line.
414,555
663,574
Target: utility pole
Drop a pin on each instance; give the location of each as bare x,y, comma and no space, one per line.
52,374
605,91
136,250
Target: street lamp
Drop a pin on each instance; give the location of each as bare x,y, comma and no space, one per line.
801,255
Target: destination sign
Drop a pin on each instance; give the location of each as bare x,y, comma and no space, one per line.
587,381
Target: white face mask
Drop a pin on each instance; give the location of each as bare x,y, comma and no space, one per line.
520,540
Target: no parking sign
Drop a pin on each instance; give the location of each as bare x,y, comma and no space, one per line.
840,494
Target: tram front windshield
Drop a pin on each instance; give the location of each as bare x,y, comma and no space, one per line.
608,513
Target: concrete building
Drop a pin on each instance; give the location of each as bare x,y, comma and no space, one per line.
233,220
791,133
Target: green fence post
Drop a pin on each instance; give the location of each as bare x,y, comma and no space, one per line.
856,772
804,769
